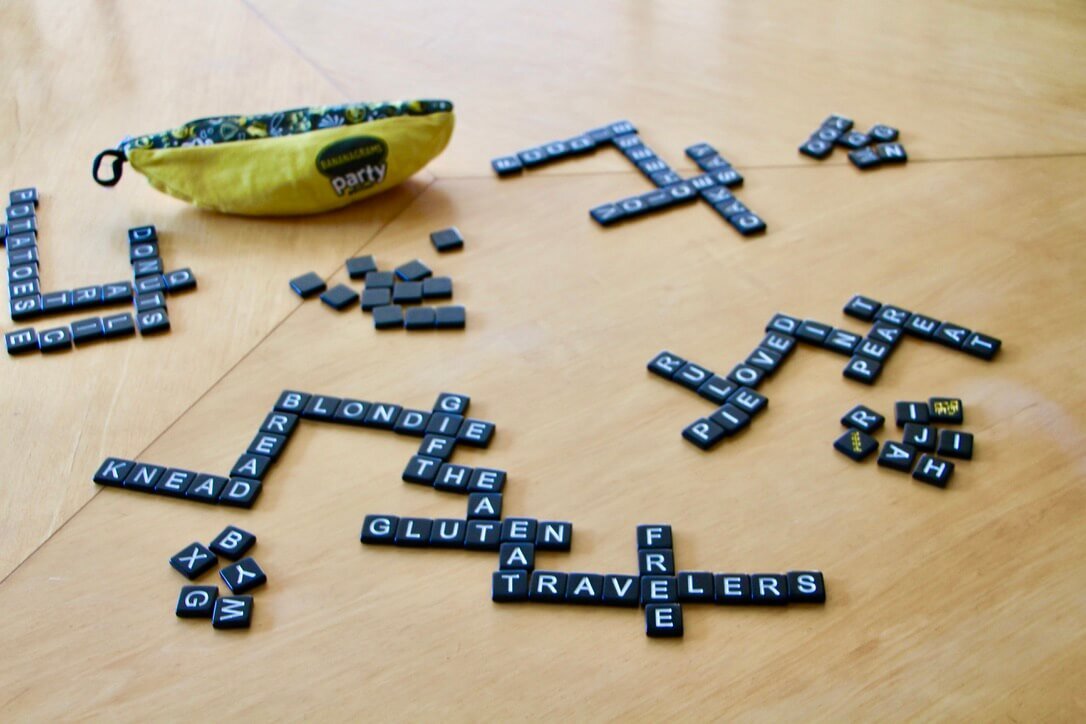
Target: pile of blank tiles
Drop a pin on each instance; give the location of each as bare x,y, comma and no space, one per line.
672,190
866,150
245,481
28,301
921,442
736,396
241,577
387,292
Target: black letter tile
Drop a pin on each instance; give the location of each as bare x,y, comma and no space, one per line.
240,492
383,415
250,466
654,535
453,478
113,471
585,588
476,433
921,326
813,332
437,446
954,444
291,401
421,470
695,586
862,307
56,339
118,325
412,422
233,542
731,589
621,590
484,506
664,620
666,364
243,576
206,488
155,321
448,533
548,587
379,529
981,345
179,280
196,601
554,535
519,530
350,412
863,418
21,341
748,401
768,589
919,436
481,535
509,586
175,482
193,561
320,407
897,456
806,587
933,471
413,532
659,589
703,433
856,444
945,410
863,370
516,557
232,612
717,389
951,335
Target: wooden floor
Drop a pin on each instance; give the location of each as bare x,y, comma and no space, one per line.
960,604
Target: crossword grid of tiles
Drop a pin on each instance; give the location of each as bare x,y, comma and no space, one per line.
713,186
735,394
147,292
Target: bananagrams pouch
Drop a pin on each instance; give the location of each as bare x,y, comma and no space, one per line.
301,161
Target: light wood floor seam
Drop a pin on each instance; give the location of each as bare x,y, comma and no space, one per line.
295,49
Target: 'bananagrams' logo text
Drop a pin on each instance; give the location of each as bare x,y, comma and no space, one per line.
354,164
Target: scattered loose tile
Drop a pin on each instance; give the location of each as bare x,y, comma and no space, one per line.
856,444
243,576
193,561
863,418
196,601
933,471
897,456
232,612
339,297
447,239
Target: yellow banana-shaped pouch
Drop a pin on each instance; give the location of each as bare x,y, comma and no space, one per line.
301,161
